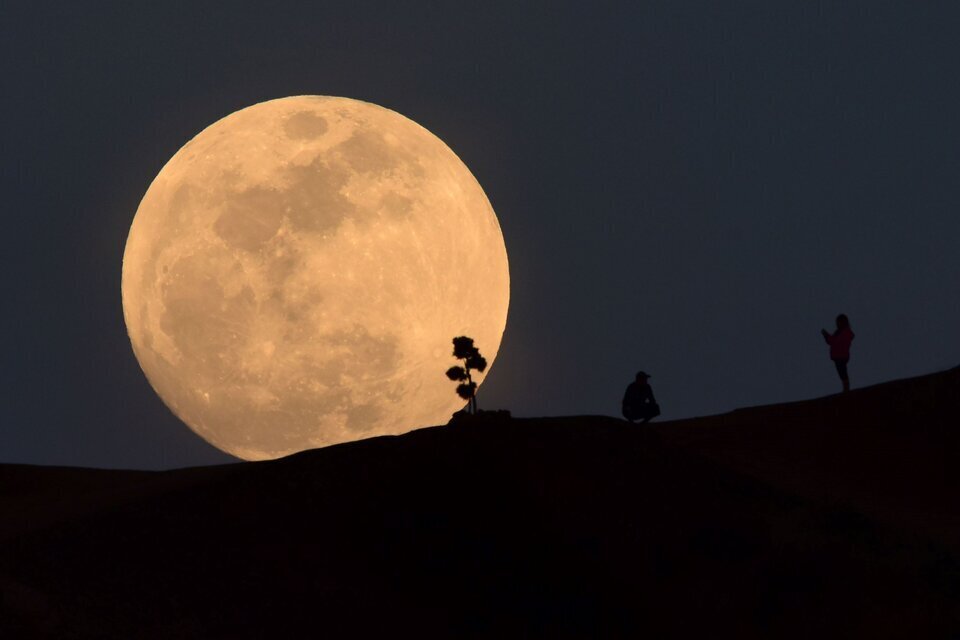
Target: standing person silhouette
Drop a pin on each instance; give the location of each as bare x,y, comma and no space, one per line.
839,343
638,400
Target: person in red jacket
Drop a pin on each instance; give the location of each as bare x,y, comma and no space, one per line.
839,343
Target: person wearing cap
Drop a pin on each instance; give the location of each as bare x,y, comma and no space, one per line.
638,401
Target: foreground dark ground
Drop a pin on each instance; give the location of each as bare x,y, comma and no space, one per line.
836,517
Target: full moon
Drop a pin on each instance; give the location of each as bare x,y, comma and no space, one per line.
295,274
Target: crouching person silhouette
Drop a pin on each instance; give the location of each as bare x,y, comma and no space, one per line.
638,401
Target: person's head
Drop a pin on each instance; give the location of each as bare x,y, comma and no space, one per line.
642,377
843,322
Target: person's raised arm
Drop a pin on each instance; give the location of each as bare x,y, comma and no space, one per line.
826,335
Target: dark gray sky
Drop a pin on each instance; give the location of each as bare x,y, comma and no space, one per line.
693,188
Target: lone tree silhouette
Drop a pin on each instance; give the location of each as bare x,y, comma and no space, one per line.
463,349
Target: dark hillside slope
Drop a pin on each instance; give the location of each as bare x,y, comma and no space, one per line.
891,450
34,497
560,527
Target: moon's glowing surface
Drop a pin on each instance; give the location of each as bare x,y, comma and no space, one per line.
295,274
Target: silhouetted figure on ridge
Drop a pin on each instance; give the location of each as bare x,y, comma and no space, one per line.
839,343
638,400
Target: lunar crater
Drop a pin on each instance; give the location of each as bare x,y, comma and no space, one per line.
305,125
367,152
251,218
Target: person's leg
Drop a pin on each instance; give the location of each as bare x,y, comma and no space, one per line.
650,411
842,372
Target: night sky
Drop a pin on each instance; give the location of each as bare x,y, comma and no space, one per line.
689,188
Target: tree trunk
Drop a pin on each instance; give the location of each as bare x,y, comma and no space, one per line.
472,403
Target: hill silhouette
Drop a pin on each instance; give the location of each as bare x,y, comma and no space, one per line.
832,517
